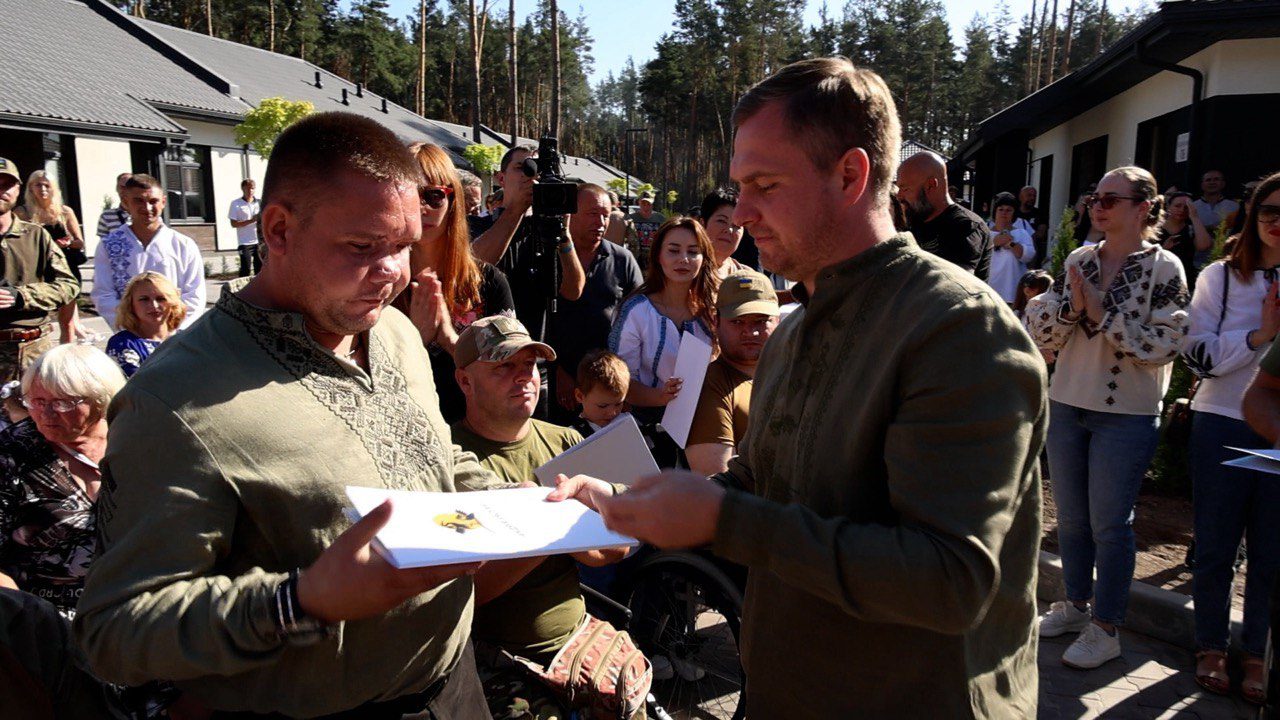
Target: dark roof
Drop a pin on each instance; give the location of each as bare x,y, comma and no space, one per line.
1177,30
260,74
93,71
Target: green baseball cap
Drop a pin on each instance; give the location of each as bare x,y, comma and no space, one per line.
8,168
495,339
747,293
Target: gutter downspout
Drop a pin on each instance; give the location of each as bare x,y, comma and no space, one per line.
1196,119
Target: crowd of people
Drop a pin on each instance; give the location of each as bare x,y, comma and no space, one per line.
866,442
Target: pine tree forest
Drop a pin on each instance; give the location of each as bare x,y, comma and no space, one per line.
683,98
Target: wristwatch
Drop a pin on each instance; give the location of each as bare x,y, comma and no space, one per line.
292,623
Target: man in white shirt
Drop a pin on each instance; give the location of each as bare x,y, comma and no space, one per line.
244,218
146,243
1213,207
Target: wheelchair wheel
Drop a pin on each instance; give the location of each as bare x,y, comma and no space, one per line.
686,616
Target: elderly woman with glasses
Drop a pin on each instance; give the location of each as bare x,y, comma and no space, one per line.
49,474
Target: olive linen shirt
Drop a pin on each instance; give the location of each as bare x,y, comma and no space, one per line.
537,615
37,272
228,454
886,500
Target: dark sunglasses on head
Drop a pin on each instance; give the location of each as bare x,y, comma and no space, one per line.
434,196
1268,214
1109,201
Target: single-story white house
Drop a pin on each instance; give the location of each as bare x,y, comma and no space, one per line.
1193,88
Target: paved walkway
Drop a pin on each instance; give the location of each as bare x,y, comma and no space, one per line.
1151,680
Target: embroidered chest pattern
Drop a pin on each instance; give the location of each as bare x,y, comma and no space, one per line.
394,429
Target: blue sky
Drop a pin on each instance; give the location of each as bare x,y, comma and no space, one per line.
623,28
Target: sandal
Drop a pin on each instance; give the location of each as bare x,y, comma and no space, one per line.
1253,687
1211,671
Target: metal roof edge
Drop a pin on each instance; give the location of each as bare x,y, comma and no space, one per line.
61,125
164,47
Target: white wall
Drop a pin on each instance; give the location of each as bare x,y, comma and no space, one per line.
98,162
1231,67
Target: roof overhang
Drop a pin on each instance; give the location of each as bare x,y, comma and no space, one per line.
1179,29
84,129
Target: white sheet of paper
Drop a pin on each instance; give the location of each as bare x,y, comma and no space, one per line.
1255,462
433,528
691,367
1268,453
616,453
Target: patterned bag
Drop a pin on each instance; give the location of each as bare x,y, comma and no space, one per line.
599,669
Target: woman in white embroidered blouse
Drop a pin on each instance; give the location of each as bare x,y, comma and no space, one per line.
677,297
1116,321
1235,315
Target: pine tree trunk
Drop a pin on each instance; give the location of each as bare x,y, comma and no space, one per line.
475,76
1066,43
555,70
515,73
1051,66
208,17
1028,72
1044,26
1102,27
420,96
271,25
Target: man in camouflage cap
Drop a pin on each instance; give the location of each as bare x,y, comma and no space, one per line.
528,607
35,281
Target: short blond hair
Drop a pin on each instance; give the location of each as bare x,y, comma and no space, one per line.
127,319
77,371
603,368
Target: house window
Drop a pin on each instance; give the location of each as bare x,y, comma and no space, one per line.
186,179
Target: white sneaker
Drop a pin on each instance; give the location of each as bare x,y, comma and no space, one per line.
1062,618
1094,647
662,669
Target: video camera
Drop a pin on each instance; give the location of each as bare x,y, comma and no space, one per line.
553,199
553,196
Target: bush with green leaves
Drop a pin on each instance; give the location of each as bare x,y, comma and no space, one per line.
617,185
484,158
1064,242
263,124
672,197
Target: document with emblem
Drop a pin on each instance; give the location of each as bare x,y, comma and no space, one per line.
437,528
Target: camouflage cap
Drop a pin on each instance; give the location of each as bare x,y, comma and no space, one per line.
746,293
495,339
647,195
8,168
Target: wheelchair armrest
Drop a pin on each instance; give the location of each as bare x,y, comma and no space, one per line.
610,604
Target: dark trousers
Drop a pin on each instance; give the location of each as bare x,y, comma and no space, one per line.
248,254
456,696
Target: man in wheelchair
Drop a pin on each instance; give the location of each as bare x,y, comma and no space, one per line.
531,622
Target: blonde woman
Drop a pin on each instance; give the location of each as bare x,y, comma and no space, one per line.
150,311
43,206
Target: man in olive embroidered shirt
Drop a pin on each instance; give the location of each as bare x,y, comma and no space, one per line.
886,499
227,564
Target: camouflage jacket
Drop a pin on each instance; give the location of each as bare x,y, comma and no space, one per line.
36,271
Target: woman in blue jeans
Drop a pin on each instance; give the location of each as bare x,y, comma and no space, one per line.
1234,318
1116,319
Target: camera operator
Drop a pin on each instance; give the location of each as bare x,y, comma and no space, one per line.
508,238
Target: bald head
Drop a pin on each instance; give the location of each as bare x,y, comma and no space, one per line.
922,186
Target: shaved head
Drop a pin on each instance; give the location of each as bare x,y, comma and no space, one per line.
922,186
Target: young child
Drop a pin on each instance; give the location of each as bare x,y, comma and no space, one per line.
150,311
602,389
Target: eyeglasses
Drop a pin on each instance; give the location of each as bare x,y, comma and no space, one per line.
58,405
1268,214
434,196
1109,201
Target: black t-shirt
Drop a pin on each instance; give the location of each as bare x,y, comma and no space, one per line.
530,289
1033,216
1182,244
960,236
582,325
